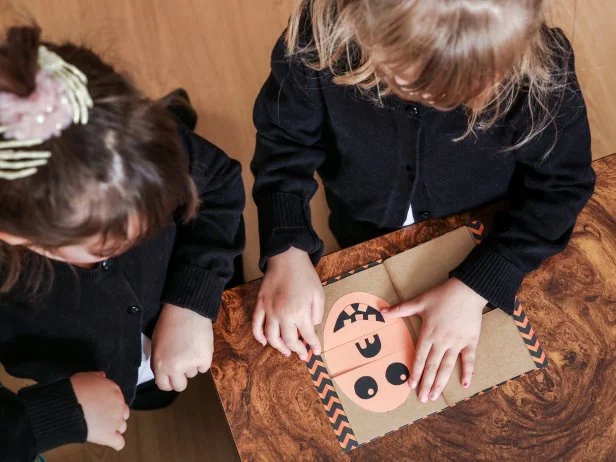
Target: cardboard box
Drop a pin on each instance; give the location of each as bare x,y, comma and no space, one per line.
363,371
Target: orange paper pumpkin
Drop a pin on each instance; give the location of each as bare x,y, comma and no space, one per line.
369,358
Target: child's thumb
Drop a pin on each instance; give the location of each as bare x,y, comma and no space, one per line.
403,310
100,374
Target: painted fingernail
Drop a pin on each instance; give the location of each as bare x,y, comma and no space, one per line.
466,384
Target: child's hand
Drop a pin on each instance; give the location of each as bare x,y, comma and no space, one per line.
182,347
290,299
104,408
451,323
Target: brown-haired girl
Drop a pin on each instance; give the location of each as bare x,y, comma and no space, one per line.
411,110
119,230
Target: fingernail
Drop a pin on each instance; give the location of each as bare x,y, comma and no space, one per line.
385,310
423,398
287,355
466,384
433,396
302,357
414,384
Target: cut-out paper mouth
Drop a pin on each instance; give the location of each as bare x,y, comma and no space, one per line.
357,312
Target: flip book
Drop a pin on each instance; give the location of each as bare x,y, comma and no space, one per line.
362,374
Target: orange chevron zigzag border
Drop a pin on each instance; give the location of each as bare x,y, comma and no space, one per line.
477,229
351,273
331,403
527,333
520,319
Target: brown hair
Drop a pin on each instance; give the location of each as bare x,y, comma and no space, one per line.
482,54
125,164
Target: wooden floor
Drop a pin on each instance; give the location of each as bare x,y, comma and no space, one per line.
219,51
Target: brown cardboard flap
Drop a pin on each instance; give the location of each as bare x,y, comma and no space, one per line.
428,265
501,355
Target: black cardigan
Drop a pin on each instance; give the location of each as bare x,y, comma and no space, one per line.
374,161
92,320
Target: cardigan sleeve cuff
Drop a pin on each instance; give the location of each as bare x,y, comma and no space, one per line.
55,415
285,222
194,288
491,276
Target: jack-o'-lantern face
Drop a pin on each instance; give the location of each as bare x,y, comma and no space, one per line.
368,358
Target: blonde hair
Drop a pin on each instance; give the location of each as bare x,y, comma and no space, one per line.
482,54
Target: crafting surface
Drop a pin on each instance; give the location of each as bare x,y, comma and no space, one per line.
563,412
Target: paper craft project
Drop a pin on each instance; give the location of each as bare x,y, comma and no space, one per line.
362,374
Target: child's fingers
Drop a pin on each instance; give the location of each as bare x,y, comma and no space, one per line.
272,332
178,382
444,373
123,427
421,355
203,369
258,319
429,374
192,373
468,365
308,333
291,339
162,382
116,441
403,310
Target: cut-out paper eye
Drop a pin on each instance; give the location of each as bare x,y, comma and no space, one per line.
372,348
366,387
397,373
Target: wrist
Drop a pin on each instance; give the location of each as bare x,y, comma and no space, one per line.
477,299
169,309
56,417
290,255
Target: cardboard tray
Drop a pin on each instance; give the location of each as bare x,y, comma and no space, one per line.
507,350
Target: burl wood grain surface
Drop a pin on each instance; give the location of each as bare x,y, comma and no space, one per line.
565,412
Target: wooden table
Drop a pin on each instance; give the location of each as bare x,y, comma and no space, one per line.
564,412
